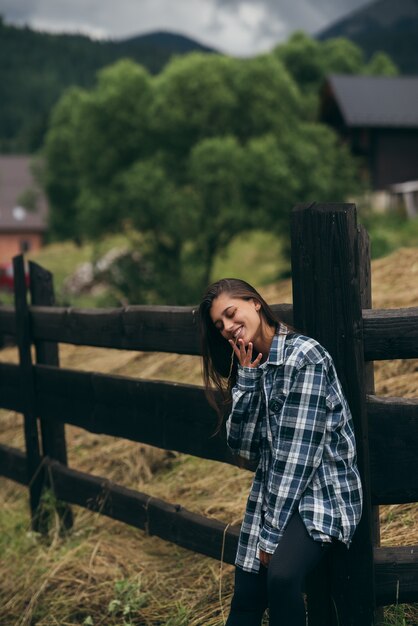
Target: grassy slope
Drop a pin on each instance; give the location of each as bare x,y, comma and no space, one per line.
107,573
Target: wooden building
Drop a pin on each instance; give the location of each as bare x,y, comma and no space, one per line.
378,117
21,228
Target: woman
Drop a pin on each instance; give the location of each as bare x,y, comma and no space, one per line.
288,414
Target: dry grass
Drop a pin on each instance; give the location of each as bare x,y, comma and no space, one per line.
106,573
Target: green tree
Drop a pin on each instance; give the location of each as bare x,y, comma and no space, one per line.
302,165
268,99
302,57
341,56
61,172
185,161
193,99
309,61
269,184
215,169
163,213
381,65
113,122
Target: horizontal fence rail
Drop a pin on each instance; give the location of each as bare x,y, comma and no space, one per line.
396,568
142,411
393,437
177,416
13,464
168,521
388,333
7,320
396,571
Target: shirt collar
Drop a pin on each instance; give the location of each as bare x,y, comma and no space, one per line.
276,354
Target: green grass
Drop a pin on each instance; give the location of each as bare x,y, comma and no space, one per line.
388,232
63,258
255,256
25,555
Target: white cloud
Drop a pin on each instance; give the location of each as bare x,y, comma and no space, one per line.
240,27
67,26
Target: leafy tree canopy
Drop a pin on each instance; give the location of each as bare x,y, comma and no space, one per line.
211,147
309,61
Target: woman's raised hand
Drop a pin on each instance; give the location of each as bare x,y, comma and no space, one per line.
245,354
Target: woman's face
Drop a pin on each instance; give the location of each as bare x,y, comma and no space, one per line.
236,318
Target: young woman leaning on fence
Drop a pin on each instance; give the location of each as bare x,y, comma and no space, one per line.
288,414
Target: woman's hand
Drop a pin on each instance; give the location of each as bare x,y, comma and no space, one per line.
264,558
245,355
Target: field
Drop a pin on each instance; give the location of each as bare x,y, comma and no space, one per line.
108,574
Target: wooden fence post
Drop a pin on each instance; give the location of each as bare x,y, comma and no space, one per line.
366,303
35,470
52,432
327,304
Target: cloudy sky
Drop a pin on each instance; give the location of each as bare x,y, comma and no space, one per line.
238,27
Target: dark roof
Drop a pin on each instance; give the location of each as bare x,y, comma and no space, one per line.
16,178
379,101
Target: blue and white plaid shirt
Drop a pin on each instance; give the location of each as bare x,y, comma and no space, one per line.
291,415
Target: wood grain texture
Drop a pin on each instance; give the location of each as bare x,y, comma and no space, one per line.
169,521
46,353
388,333
329,288
13,464
27,392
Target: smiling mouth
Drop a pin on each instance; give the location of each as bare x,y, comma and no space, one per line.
238,332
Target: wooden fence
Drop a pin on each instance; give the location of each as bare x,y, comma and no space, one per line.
331,302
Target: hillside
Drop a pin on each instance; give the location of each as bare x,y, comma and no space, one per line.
41,65
384,25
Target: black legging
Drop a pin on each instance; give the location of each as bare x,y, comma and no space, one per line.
278,587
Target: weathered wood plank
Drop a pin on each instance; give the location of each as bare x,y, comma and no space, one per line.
52,432
327,305
10,396
390,333
167,415
393,438
168,521
42,293
177,417
165,329
174,523
33,455
146,328
7,320
13,464
396,574
365,281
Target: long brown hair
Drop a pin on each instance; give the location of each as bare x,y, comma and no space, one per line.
219,362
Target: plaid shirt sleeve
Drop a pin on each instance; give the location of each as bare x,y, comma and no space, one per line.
243,426
299,446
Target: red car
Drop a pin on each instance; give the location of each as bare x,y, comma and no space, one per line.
6,277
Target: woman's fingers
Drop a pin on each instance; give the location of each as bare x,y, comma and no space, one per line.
257,360
238,350
264,558
245,354
249,354
234,347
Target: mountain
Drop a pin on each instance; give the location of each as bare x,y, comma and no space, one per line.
387,25
41,65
